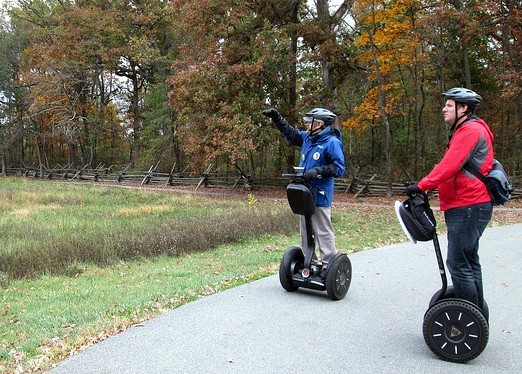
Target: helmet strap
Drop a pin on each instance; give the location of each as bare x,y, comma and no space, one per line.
455,127
317,130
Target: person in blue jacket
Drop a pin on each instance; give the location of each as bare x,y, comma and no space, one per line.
322,156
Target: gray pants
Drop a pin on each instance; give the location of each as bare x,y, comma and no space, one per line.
323,233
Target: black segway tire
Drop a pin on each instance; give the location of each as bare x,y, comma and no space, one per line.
338,276
450,294
292,261
485,310
455,330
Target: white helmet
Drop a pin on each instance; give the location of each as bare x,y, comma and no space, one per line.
321,114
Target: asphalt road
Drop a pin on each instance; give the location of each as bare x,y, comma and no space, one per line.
376,328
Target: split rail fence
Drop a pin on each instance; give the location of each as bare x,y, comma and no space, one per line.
360,185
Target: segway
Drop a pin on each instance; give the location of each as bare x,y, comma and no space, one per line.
454,329
297,268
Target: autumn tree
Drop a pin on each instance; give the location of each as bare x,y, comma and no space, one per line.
60,66
230,57
183,82
73,64
391,51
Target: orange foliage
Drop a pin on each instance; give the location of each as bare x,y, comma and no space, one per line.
396,44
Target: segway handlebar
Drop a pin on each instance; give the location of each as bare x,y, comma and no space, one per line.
298,172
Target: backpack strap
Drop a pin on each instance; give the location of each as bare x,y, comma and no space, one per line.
473,170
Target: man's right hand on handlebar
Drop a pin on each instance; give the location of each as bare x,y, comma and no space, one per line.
412,189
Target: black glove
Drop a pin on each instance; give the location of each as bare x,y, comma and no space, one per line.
412,189
272,113
321,172
313,173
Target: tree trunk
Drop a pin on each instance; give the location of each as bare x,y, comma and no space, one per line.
4,166
292,90
465,63
384,115
328,24
136,122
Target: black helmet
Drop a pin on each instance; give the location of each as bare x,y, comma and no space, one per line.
321,114
464,95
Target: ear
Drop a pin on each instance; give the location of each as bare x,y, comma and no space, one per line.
463,107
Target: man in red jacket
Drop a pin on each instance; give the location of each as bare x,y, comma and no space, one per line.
463,197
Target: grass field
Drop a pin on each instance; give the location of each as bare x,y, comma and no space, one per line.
79,263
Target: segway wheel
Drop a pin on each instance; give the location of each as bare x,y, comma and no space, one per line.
292,262
455,330
450,294
338,276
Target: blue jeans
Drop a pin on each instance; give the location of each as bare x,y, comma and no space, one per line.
465,227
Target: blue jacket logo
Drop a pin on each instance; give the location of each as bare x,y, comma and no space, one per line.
317,155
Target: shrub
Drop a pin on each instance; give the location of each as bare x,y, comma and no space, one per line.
61,227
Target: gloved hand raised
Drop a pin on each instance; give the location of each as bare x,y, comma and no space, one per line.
272,113
412,189
313,173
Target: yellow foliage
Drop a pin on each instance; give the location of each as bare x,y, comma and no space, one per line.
369,111
390,42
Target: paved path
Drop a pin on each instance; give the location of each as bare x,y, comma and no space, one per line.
377,328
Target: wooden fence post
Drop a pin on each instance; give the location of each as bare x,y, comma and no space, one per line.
364,186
